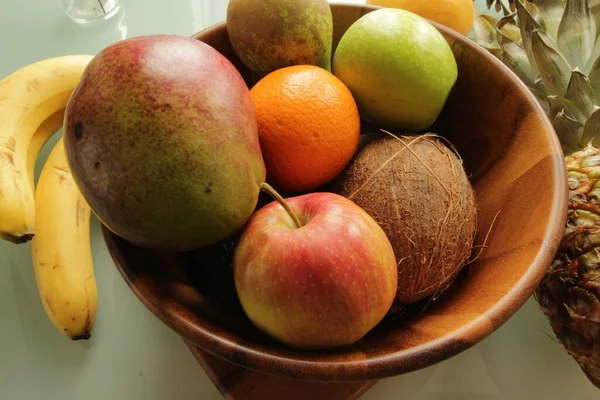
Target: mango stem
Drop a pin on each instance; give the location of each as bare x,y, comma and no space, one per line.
265,187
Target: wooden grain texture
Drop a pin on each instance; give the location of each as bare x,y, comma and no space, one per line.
236,383
516,166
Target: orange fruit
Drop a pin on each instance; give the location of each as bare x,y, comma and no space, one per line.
455,14
308,126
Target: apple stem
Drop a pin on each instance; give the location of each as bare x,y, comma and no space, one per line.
265,187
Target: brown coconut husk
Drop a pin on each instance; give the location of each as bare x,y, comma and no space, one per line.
416,188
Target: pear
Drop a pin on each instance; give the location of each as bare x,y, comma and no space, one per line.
271,34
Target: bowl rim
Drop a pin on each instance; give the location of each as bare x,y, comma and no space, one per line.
401,361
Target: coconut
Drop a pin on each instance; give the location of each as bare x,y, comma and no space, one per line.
416,188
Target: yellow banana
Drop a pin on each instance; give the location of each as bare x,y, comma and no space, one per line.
62,257
48,128
27,98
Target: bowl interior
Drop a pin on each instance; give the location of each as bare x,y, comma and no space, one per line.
516,167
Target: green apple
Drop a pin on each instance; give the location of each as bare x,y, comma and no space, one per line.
399,68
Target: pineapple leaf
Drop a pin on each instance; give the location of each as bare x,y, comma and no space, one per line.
485,34
528,24
554,69
554,107
500,6
506,27
515,57
543,100
591,130
594,77
580,93
592,58
595,11
533,10
552,12
559,104
539,86
569,131
577,33
492,20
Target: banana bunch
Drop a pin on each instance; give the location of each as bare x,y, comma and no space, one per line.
54,216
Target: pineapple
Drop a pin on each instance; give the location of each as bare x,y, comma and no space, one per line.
500,6
554,47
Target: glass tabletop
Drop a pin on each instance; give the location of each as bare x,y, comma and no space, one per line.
132,355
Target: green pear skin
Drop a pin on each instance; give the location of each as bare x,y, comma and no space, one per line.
399,68
161,138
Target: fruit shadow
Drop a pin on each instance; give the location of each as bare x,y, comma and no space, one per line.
208,274
45,345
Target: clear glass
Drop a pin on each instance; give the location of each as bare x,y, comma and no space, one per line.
84,11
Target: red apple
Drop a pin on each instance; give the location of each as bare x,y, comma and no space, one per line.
323,284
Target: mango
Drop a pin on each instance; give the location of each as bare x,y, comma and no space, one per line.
271,34
161,139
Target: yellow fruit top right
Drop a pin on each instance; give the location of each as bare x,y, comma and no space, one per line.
455,14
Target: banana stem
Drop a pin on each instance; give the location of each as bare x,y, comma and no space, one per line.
265,187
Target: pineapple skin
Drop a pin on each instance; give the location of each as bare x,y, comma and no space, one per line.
554,48
569,294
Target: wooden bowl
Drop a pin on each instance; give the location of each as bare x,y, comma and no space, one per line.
516,165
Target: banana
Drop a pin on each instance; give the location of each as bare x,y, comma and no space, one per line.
62,256
46,130
27,98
